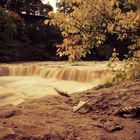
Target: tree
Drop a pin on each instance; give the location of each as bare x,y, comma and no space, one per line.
35,7
7,25
92,23
20,40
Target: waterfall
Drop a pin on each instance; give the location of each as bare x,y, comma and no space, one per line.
19,82
68,73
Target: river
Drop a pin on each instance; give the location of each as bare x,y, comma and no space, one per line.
24,81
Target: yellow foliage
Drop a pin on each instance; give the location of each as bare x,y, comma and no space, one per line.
86,23
127,69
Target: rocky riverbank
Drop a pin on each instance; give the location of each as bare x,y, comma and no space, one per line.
108,114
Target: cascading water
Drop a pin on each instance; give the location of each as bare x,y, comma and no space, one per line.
19,82
79,73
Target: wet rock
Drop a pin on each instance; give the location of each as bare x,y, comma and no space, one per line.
8,113
111,127
52,137
6,134
83,107
99,124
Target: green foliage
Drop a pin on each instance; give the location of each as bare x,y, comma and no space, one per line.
88,24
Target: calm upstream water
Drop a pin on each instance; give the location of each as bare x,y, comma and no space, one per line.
22,81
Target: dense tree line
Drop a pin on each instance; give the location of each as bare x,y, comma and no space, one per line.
22,41
91,29
35,7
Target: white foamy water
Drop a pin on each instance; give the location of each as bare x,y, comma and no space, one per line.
20,82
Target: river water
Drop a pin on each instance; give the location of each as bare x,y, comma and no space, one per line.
24,81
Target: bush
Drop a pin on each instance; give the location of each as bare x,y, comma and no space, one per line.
128,69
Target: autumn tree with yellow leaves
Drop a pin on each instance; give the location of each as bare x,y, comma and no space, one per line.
89,23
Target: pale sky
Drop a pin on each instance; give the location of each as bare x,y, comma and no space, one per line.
52,3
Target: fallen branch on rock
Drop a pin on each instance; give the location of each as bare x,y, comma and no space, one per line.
63,93
128,112
82,107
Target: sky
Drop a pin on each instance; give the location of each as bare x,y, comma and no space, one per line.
52,3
